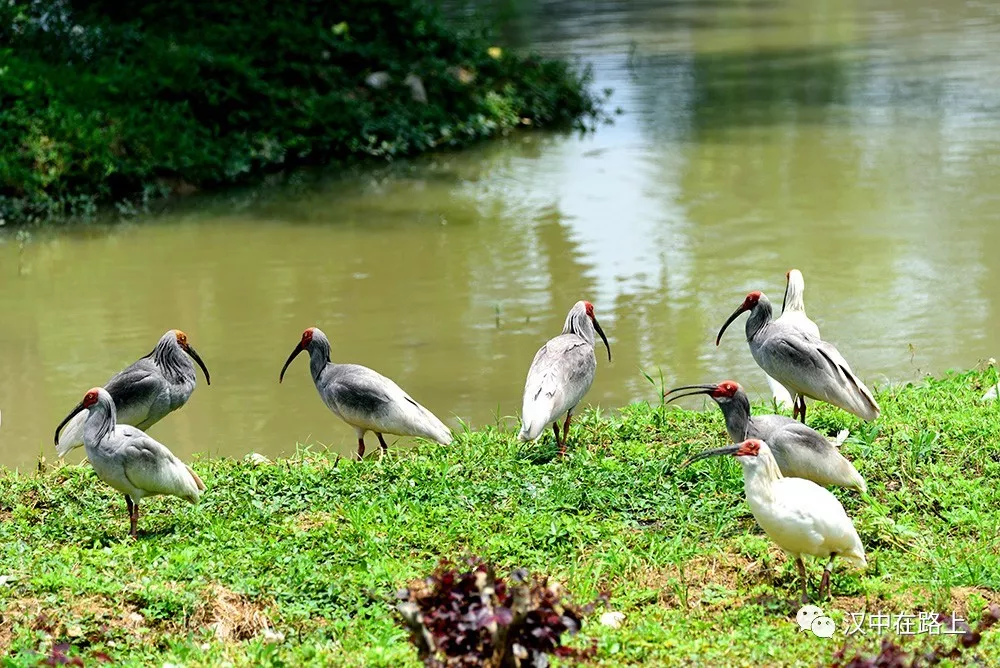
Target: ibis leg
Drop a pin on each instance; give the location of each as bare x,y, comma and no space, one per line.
800,409
555,430
802,576
825,582
562,448
133,517
381,441
130,506
361,447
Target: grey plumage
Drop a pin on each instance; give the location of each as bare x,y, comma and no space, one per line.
803,363
365,399
145,392
127,459
800,451
561,373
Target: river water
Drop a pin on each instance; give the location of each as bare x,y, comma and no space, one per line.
859,142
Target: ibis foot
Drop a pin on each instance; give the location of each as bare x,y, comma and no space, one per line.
381,442
361,448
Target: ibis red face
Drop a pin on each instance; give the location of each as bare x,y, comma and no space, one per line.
747,305
89,399
590,314
182,341
750,448
307,337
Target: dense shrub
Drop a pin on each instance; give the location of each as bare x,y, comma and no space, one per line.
101,101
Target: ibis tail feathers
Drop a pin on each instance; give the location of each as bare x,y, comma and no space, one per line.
197,479
782,397
71,435
861,403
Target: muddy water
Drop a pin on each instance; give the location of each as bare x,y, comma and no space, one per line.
859,144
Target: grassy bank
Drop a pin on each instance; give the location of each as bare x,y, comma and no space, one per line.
298,561
105,102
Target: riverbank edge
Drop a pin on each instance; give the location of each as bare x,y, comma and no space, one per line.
298,559
111,114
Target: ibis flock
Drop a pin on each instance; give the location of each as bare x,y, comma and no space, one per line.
786,464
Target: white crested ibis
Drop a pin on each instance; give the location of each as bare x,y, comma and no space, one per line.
148,390
806,365
365,399
128,460
797,514
561,374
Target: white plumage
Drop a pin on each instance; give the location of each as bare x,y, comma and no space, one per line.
798,515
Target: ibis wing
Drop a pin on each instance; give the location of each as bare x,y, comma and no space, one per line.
815,510
135,390
151,467
367,399
358,396
796,434
815,368
561,373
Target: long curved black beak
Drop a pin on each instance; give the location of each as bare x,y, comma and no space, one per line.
716,452
197,358
600,331
298,349
79,407
736,314
784,299
689,391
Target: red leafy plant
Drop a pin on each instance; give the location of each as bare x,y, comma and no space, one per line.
892,655
460,619
59,656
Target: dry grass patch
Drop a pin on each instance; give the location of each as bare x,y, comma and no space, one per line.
307,521
726,571
75,619
231,616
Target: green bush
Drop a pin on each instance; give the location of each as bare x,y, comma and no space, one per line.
103,102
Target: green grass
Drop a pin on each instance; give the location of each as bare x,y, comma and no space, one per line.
315,549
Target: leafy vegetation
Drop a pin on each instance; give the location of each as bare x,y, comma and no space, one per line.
121,102
299,561
460,618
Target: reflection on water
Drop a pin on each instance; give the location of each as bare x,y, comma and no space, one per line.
859,144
